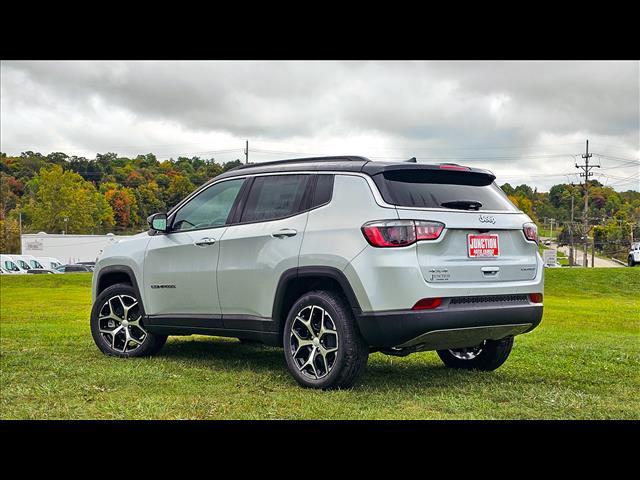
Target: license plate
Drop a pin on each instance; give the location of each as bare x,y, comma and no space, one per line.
483,245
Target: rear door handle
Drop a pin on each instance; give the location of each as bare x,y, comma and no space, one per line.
203,242
285,232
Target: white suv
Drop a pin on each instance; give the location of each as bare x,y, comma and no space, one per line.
331,258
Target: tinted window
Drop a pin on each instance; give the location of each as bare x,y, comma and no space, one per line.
35,264
435,189
209,208
324,190
274,197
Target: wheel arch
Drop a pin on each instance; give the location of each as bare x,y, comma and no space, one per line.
296,281
114,274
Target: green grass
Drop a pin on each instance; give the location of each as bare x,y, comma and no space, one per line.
583,362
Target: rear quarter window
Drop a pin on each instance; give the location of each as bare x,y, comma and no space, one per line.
323,191
436,189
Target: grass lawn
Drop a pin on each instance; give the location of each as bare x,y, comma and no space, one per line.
583,362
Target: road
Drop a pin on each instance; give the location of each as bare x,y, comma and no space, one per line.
599,262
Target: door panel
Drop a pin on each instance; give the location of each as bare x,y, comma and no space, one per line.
255,253
252,260
179,276
180,266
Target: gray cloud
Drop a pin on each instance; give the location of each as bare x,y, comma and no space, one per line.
525,120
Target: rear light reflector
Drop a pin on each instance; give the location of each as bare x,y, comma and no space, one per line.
428,230
400,233
530,232
427,304
535,297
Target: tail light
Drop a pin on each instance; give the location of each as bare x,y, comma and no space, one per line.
400,233
530,232
427,304
535,297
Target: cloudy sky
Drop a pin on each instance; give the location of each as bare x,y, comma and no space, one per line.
526,121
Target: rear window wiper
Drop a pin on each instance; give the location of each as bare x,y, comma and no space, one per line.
463,204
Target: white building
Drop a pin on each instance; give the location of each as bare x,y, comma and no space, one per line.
66,248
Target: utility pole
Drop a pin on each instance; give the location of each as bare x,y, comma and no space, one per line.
246,152
571,232
586,174
20,221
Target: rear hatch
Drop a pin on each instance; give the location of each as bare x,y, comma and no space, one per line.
483,239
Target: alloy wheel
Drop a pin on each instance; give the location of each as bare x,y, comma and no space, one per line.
314,342
119,322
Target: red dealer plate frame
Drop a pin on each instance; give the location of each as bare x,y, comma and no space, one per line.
483,245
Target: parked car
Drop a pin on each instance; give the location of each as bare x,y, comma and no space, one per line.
73,268
49,262
21,262
634,255
330,258
10,264
32,261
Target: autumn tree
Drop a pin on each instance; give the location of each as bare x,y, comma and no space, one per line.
55,195
124,205
179,187
9,235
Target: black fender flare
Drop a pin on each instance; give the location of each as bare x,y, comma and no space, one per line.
111,269
319,272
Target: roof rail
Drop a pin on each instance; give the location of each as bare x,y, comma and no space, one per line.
336,158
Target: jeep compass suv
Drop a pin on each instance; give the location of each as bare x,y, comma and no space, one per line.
330,258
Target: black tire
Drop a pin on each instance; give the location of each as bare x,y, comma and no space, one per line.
346,364
630,261
150,343
493,354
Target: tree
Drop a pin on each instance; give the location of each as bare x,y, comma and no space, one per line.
10,190
124,205
55,195
524,204
226,166
9,235
179,187
149,200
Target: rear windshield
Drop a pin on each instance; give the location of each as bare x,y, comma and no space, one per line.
437,189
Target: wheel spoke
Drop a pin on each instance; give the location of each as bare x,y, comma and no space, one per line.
310,362
307,324
127,309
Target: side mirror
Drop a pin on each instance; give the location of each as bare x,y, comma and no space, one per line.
158,222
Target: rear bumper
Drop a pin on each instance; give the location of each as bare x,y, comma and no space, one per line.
448,326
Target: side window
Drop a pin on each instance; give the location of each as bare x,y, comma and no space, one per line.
324,190
24,265
209,208
276,196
